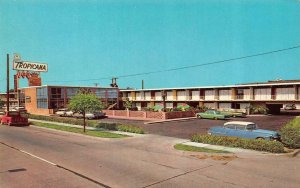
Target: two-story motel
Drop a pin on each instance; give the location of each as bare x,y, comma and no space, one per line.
272,94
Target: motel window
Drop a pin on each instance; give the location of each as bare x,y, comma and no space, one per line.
112,93
57,98
42,97
71,92
57,93
101,93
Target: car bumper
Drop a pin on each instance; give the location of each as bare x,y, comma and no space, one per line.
275,139
18,124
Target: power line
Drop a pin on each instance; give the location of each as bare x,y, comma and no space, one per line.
187,67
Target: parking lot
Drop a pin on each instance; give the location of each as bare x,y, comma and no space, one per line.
185,129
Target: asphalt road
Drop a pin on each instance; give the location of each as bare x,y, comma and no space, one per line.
55,159
185,129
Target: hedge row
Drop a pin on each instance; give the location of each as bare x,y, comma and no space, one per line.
96,124
130,128
290,133
259,145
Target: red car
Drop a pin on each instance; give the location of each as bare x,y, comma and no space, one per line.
15,118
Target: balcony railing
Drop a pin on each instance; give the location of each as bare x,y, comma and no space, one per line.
288,98
239,97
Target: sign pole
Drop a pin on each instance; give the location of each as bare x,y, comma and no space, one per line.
7,83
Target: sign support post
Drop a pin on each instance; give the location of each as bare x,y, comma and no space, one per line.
7,83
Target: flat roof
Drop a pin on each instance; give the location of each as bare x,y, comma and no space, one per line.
70,87
269,83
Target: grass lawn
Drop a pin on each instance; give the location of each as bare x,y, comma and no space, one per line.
101,134
197,149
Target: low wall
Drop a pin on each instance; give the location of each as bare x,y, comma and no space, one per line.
148,114
174,115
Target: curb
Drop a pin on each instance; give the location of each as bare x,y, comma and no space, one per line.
170,120
295,153
258,115
229,149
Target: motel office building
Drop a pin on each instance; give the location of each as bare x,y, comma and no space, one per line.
272,94
46,100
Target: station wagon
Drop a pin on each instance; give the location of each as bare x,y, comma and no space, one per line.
244,130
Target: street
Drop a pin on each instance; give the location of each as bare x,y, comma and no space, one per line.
33,157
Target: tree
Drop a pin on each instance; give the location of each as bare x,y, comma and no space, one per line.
127,104
83,103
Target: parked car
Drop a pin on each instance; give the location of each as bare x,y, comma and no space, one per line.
290,107
69,113
89,115
20,109
95,115
212,114
233,114
15,118
244,129
61,112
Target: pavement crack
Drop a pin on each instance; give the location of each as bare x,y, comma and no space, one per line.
182,174
160,164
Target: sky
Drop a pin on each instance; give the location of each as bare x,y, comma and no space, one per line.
94,39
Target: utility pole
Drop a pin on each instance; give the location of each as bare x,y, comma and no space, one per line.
114,82
7,83
142,84
96,84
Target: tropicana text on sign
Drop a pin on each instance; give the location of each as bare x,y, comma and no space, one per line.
30,66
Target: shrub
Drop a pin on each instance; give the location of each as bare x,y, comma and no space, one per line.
290,133
108,126
258,109
259,145
130,128
147,109
202,108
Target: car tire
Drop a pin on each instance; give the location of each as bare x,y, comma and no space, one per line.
215,118
260,138
198,116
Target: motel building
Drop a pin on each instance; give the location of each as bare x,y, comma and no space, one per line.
272,94
46,100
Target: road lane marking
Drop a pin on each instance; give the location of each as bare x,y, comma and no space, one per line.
38,157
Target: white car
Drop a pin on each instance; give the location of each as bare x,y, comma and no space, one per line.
69,113
61,112
89,115
95,115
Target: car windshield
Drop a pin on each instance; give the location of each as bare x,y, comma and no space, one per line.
251,127
217,112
